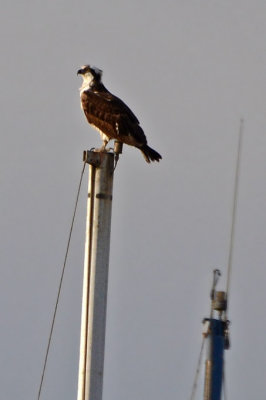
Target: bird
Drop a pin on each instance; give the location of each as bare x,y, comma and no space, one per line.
110,115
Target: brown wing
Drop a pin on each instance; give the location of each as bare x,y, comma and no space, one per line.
113,117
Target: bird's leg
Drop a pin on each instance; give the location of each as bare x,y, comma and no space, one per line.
103,149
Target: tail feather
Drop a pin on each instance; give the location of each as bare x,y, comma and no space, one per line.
150,154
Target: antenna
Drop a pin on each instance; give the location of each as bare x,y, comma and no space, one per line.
218,328
234,208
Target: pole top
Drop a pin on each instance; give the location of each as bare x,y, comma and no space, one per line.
92,157
95,158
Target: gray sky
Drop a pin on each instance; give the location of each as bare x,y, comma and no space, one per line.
189,70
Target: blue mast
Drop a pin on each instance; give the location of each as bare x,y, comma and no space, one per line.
218,341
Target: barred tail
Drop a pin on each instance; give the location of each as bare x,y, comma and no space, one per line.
150,154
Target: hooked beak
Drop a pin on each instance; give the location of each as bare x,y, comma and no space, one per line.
80,71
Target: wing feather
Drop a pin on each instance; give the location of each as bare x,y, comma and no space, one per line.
112,116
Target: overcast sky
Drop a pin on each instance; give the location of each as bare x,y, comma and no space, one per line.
190,70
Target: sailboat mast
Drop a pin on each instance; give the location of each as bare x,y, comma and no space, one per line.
218,340
95,281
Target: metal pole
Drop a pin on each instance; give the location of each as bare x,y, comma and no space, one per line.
95,283
218,341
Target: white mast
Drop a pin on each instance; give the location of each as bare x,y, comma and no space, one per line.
95,284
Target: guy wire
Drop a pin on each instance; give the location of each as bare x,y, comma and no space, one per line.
60,284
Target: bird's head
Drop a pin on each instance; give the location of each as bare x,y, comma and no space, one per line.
90,75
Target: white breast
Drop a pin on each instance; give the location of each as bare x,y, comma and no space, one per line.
87,80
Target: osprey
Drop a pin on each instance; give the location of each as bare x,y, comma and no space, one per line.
110,115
